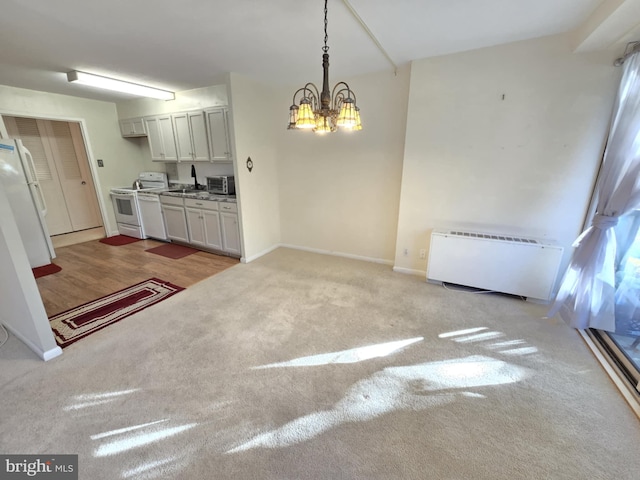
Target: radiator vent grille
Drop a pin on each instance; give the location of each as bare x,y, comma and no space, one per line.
492,237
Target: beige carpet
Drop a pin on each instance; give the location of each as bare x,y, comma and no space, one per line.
302,366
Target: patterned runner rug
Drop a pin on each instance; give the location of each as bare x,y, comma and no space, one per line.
76,323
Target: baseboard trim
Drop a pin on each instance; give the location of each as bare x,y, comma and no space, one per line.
410,271
53,353
260,254
337,254
45,355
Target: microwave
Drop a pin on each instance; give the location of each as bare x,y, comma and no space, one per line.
222,184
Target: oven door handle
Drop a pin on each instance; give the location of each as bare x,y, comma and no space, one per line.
122,195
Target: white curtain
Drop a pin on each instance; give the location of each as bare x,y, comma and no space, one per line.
586,298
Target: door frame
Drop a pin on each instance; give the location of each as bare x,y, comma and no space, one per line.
87,147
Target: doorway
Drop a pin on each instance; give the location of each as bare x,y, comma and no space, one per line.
62,169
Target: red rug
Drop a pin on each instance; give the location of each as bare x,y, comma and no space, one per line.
118,240
76,323
46,270
172,251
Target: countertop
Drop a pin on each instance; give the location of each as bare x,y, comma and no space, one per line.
199,194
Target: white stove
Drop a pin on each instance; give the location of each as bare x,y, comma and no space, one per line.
126,203
149,180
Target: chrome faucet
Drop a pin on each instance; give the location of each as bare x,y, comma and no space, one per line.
196,185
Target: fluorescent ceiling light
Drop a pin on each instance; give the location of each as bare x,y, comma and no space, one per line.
118,85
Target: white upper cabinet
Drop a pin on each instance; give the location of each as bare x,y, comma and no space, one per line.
161,140
154,137
218,129
195,136
191,136
133,127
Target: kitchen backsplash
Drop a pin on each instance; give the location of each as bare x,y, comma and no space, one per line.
181,172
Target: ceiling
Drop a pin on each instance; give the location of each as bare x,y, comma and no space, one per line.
184,44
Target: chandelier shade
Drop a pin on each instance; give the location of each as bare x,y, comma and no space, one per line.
324,111
347,116
306,117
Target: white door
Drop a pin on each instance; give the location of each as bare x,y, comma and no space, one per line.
62,169
73,172
32,132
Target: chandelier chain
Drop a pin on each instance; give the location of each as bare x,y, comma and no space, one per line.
325,49
324,110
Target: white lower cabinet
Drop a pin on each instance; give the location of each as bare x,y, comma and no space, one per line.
196,226
212,233
207,224
210,226
176,223
203,220
230,228
175,219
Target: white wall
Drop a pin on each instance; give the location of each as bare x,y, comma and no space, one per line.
253,110
123,158
522,164
339,192
22,310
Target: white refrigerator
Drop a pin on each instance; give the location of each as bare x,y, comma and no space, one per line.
18,176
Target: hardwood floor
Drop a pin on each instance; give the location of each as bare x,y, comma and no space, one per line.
92,270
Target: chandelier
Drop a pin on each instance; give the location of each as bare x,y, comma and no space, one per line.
325,111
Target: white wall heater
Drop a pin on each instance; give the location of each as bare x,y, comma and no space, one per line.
503,263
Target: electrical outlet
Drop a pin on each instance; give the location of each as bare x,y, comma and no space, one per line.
100,163
406,252
423,253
